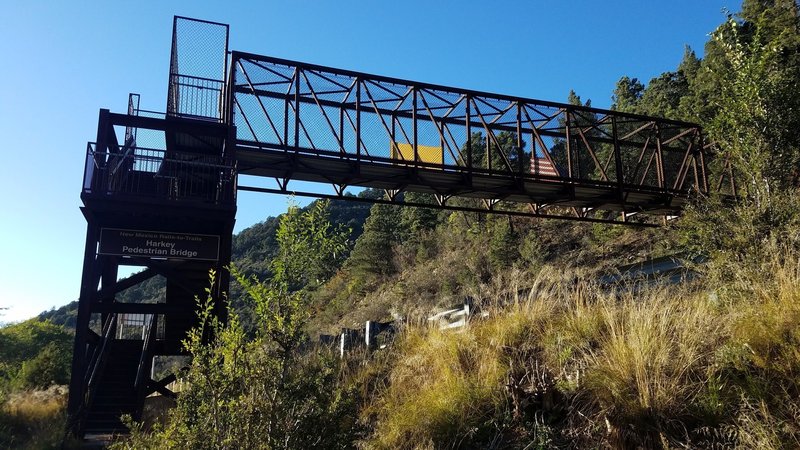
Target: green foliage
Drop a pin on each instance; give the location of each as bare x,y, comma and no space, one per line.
266,392
627,94
414,220
417,225
531,251
372,256
34,354
50,366
664,96
66,315
310,248
255,247
744,233
743,92
759,114
504,244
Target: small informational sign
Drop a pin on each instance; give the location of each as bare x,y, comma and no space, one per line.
158,244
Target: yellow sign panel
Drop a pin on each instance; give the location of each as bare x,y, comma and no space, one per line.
426,153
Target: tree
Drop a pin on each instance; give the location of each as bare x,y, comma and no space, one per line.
49,367
751,76
372,255
270,391
627,94
664,96
310,247
759,110
418,219
30,347
504,244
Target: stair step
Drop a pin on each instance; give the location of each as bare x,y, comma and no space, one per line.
117,427
122,401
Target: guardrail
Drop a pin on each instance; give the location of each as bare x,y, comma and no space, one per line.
377,335
154,173
197,98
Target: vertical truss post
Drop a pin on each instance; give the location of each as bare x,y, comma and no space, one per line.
415,130
285,117
223,101
618,161
701,152
358,118
172,89
659,158
341,126
568,146
520,151
468,126
297,107
231,76
393,133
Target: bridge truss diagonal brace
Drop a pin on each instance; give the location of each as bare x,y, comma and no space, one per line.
534,210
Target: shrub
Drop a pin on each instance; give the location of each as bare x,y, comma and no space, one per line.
49,367
33,419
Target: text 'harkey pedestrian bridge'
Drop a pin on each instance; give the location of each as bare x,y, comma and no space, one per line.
159,189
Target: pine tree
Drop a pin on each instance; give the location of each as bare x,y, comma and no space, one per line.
627,95
373,255
759,110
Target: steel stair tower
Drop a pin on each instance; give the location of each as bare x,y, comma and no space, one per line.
159,194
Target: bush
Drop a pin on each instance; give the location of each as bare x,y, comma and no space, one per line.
34,419
49,367
34,354
273,390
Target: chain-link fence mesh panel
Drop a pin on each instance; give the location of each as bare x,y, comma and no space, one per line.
198,68
281,105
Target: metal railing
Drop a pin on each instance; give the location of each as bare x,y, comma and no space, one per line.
149,334
158,174
196,98
95,366
196,87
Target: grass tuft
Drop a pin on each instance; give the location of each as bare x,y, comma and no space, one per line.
34,419
573,364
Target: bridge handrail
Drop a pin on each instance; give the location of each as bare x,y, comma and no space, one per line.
203,178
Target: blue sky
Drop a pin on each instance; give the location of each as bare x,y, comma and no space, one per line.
63,61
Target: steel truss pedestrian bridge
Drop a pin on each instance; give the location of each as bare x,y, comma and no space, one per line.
159,190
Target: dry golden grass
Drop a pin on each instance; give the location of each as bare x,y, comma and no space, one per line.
447,384
658,367
650,364
34,419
